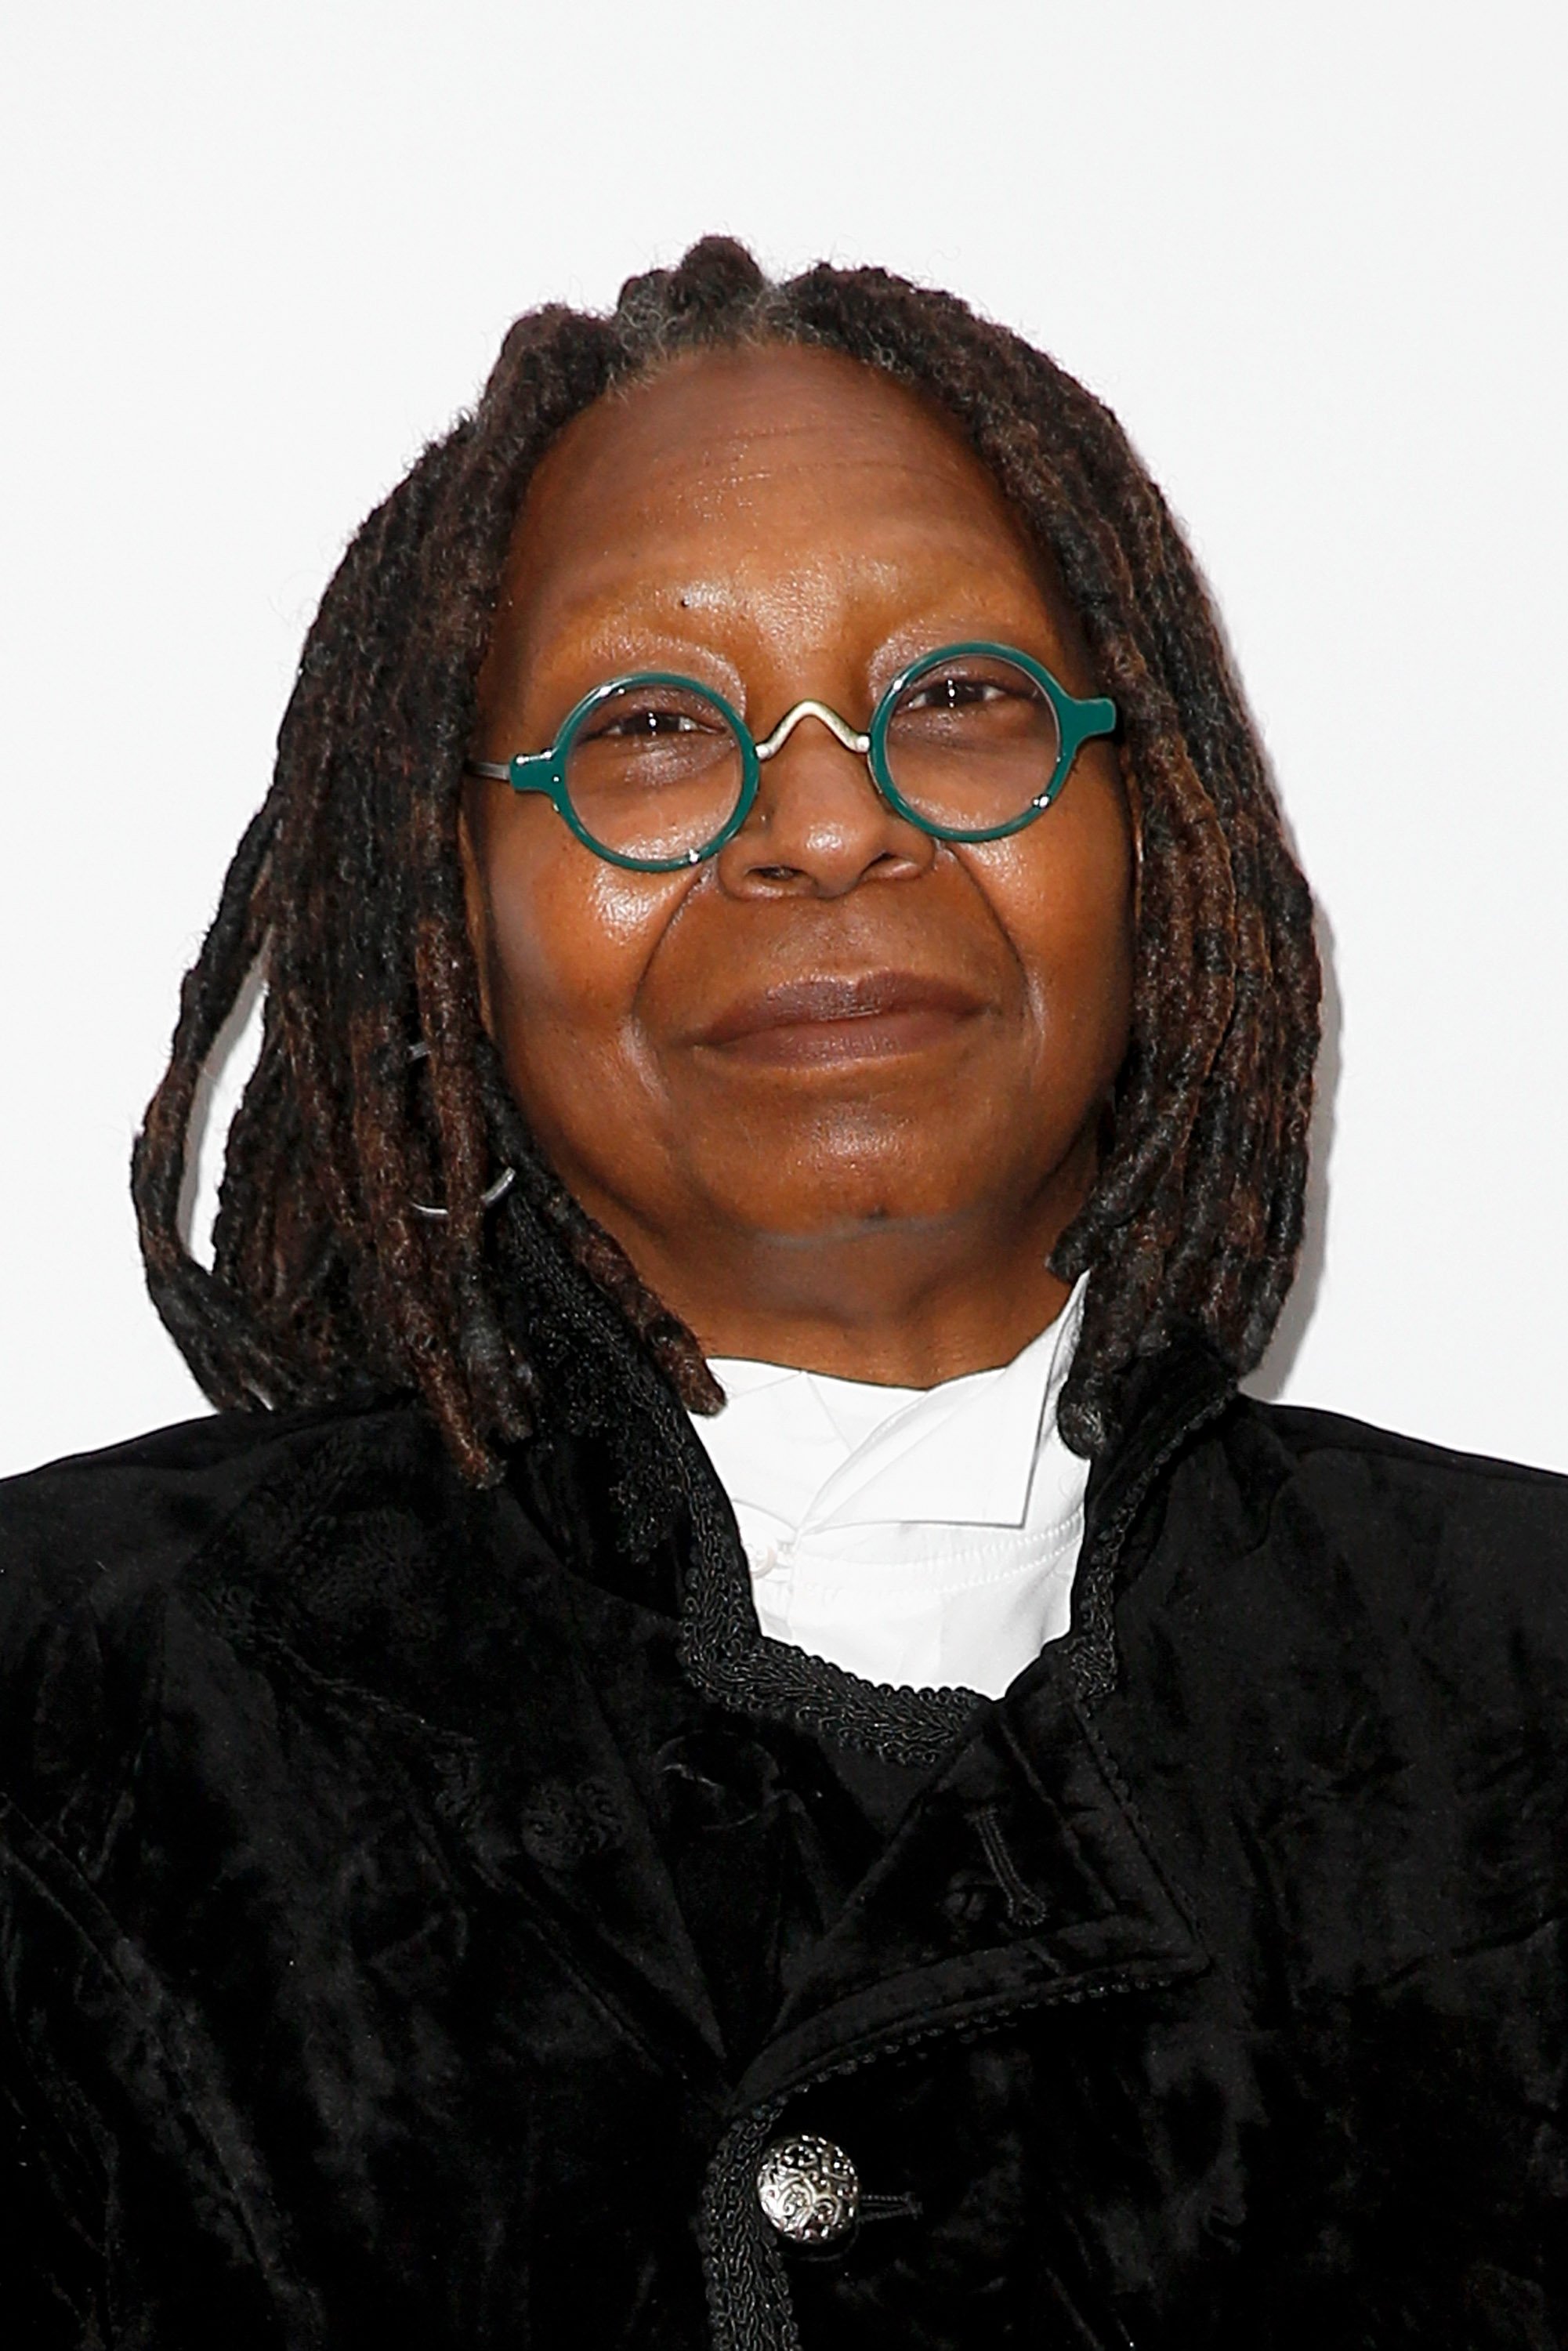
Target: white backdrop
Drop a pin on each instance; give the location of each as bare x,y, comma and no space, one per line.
1312,256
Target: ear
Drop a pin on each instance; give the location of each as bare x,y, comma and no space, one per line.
476,906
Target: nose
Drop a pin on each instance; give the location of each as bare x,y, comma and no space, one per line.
819,827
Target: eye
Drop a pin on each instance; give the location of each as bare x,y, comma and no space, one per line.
952,691
651,714
970,697
646,721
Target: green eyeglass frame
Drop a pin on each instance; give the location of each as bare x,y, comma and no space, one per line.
1078,721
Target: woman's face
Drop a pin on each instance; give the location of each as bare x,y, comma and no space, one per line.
871,1185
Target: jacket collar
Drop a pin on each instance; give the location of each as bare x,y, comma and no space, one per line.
1165,1401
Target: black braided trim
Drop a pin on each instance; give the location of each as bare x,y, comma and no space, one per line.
722,1652
664,1466
725,1654
1089,1650
748,2299
727,1659
749,2304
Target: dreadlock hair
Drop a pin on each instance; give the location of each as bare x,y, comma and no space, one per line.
376,1087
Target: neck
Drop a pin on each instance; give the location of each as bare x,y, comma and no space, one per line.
890,1304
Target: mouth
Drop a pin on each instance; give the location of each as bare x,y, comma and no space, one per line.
868,1015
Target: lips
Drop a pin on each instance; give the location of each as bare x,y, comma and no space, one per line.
836,1017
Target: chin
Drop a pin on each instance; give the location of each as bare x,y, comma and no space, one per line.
863,1201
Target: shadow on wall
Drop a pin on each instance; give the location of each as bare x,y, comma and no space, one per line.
1269,1378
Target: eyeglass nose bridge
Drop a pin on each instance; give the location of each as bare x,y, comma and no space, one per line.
836,727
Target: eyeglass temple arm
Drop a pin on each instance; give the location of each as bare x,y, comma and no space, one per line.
1082,721
528,772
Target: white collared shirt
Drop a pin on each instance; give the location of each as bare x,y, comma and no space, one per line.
921,1537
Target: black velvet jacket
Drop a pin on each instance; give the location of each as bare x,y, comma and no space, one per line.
420,1911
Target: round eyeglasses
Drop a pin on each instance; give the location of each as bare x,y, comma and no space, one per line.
653,771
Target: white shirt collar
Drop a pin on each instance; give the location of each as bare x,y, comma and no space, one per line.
926,1538
828,1452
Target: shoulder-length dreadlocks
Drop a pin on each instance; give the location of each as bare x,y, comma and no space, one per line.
376,1087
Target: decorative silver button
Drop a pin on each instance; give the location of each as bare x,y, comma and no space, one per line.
809,2190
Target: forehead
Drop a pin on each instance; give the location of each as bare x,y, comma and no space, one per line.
760,410
758,458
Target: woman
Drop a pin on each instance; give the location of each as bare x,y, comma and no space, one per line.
985,1836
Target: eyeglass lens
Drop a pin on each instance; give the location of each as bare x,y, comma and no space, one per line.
972,742
655,771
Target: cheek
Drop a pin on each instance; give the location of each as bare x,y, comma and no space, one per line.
567,941
1063,894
